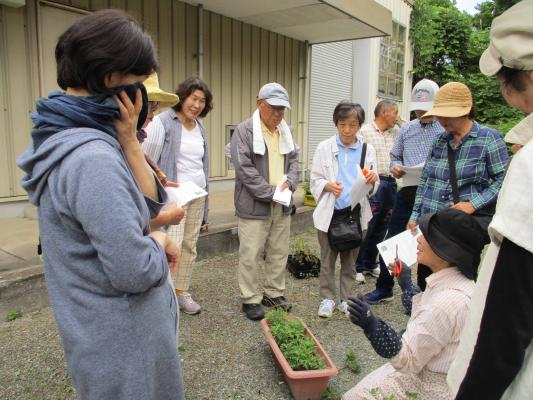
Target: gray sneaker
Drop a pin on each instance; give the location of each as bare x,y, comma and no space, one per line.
188,305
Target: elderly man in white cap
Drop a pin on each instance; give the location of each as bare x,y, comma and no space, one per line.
411,149
264,156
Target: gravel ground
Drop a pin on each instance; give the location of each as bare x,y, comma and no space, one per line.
225,356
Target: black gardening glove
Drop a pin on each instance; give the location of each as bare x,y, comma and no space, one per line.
361,314
385,341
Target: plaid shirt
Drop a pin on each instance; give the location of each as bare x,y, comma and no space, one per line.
481,158
414,143
382,143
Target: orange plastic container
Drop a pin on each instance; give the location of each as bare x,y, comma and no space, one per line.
304,385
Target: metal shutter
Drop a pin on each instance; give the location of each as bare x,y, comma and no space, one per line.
331,82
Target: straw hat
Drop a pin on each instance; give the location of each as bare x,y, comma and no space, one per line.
156,94
452,100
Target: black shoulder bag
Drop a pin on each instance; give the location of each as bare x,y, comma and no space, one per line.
345,231
484,215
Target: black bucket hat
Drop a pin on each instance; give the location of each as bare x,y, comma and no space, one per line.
455,237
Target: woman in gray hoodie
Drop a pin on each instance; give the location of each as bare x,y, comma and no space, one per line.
106,273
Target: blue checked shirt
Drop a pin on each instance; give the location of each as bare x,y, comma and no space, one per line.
480,161
414,143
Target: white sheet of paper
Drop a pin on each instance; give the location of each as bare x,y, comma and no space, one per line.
359,188
282,197
407,251
412,174
184,193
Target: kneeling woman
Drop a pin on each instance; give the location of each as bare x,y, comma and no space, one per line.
335,168
450,244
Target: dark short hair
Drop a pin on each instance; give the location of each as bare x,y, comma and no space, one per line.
99,44
472,113
188,87
516,79
384,105
345,109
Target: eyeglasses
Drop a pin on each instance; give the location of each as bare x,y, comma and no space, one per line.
154,105
275,108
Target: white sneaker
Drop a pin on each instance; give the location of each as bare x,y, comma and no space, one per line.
372,272
343,307
359,278
188,305
326,308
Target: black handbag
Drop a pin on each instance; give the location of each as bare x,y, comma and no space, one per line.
484,215
345,231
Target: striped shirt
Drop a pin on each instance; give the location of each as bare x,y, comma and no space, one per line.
382,143
480,161
414,143
438,317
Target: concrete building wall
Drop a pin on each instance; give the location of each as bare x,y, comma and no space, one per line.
362,79
237,59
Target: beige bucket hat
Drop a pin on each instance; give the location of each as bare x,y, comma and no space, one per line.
165,99
452,100
511,40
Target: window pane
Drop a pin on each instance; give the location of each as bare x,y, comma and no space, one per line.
382,83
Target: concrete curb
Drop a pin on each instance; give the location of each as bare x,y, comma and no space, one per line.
25,289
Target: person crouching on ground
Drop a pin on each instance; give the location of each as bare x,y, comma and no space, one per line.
334,171
262,152
450,245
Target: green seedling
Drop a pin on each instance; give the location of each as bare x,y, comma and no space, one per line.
352,362
14,314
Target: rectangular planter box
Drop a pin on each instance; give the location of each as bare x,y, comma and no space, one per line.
304,385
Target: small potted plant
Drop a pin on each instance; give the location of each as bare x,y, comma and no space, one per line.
305,365
302,262
309,199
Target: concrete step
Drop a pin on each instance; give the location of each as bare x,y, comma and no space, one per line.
24,288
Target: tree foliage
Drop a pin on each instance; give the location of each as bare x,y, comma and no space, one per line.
447,44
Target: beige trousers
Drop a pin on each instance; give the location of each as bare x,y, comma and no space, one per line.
263,242
328,258
185,235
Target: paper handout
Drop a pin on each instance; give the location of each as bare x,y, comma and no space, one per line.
184,193
359,188
407,248
412,174
282,197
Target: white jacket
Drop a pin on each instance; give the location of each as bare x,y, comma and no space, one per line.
326,169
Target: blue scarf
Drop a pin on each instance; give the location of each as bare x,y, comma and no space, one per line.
60,111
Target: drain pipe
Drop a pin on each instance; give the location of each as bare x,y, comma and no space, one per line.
200,40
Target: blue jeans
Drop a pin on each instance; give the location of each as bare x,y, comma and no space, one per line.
405,200
382,204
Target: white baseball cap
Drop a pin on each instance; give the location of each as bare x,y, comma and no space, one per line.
423,95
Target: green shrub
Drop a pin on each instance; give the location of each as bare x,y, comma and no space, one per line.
298,349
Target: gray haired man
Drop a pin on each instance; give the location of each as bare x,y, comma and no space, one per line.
264,156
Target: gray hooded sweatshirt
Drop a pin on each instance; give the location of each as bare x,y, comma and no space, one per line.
106,279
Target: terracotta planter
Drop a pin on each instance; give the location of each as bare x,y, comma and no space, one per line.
309,200
304,385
